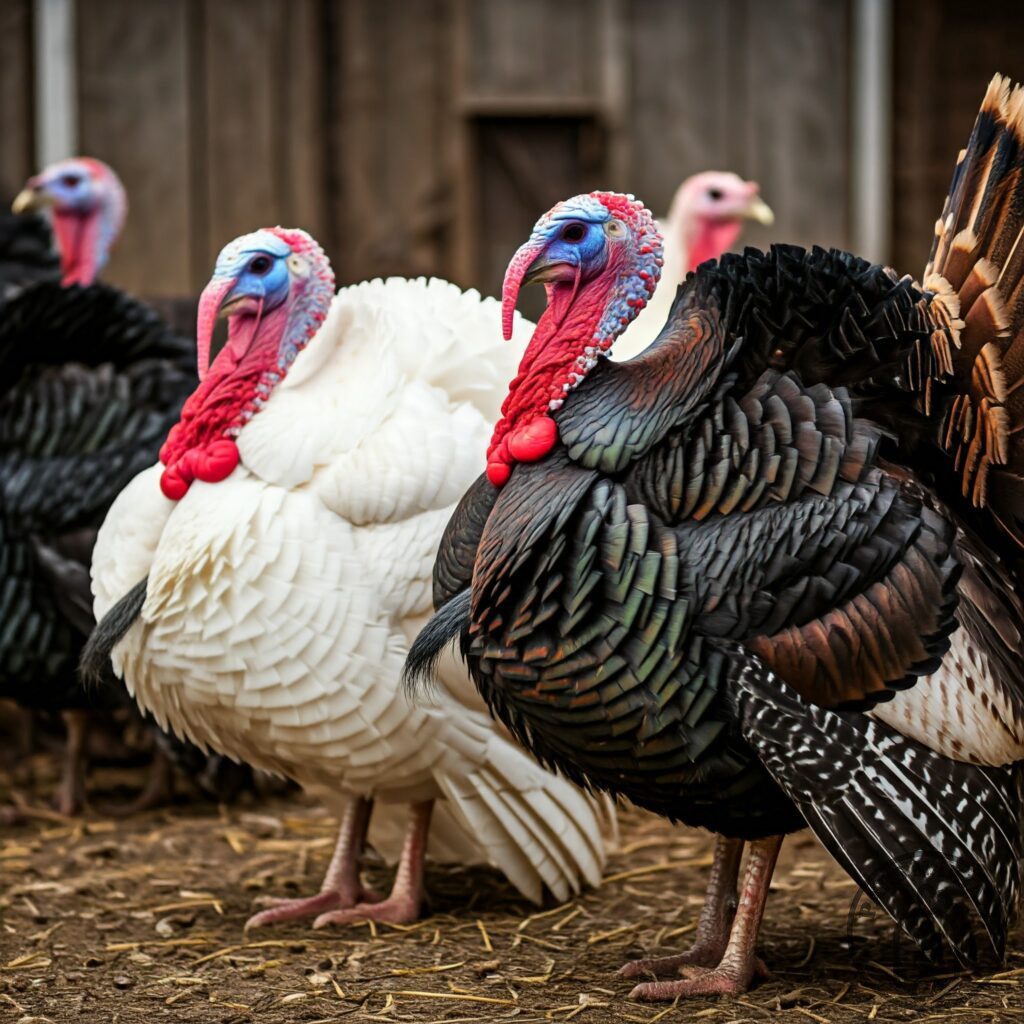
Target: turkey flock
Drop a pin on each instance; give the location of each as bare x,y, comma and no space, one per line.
470,581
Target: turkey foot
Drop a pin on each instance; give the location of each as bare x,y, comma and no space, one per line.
403,904
739,965
725,980
341,886
713,925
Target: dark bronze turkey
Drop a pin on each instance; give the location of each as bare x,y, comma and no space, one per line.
767,574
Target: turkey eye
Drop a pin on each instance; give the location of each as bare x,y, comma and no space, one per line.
573,233
260,265
715,194
71,180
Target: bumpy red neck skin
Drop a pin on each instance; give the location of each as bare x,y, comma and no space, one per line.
526,432
77,240
201,444
711,239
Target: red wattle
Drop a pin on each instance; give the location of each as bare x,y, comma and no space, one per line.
216,462
531,441
173,484
498,473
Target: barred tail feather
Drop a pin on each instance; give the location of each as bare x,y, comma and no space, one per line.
936,842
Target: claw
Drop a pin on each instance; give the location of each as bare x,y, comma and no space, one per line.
700,981
393,910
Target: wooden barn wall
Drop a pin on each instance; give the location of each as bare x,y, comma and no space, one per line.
389,129
753,87
425,136
212,113
944,57
16,135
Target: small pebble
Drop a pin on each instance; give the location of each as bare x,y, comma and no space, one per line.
122,981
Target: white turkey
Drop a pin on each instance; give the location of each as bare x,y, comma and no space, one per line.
704,221
262,585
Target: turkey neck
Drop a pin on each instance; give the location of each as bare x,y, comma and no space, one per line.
259,352
555,360
78,237
710,240
566,327
239,382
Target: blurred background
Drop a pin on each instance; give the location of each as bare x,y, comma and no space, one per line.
425,136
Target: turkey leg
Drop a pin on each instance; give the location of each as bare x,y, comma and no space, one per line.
70,795
159,788
403,904
713,924
739,964
341,886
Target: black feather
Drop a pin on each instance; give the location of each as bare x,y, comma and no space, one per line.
27,252
936,842
94,664
448,623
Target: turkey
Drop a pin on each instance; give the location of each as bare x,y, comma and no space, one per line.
767,574
260,586
86,204
93,380
704,220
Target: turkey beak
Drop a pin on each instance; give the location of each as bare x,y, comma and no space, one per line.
516,276
758,210
211,308
31,199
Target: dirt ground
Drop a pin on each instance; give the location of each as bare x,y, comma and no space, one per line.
141,921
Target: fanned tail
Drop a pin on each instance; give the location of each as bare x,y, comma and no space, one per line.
937,843
976,272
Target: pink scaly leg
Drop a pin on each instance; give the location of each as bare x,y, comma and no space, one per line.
403,904
739,965
713,924
341,886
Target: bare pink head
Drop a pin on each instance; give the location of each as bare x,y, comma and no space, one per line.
708,212
87,206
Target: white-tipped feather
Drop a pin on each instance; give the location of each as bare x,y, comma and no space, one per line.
281,602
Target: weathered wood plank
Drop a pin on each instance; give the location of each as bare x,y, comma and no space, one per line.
794,66
532,47
391,137
16,131
943,60
133,113
681,107
262,122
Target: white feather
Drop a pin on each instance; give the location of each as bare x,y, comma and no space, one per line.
281,602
